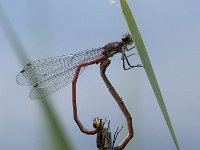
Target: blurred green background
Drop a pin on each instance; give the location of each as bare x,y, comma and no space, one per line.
170,30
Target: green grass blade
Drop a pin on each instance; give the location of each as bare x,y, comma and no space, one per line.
147,64
60,140
57,137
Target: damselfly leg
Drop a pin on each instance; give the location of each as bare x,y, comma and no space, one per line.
125,59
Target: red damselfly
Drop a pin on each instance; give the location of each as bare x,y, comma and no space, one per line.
48,75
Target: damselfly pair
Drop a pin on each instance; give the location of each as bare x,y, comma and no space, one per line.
48,75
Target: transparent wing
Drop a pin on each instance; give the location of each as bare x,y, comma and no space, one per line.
38,92
48,75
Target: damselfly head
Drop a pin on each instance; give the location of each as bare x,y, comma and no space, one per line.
127,39
97,122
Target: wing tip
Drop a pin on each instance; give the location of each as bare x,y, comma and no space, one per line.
19,79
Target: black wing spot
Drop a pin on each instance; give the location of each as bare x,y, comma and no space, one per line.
28,64
22,71
36,85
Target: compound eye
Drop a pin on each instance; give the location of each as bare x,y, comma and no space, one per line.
127,39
